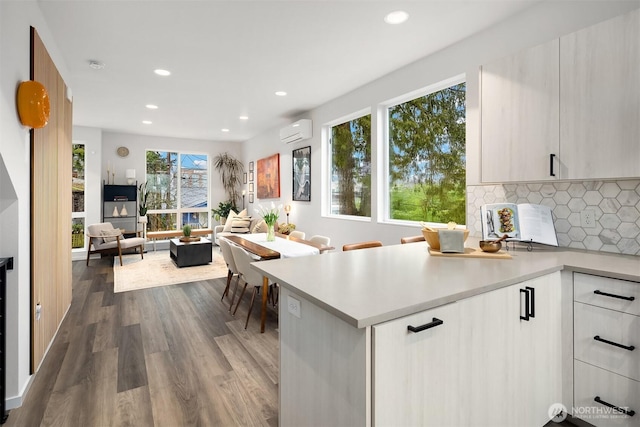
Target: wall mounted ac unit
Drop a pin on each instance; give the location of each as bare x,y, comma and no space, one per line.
297,131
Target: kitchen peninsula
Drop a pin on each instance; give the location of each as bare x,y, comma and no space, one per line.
493,340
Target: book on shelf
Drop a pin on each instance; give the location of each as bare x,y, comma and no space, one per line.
525,222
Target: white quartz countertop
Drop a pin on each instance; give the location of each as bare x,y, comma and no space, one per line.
370,286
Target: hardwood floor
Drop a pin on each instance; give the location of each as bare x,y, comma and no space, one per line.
167,356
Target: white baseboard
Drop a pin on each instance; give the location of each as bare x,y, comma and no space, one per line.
16,401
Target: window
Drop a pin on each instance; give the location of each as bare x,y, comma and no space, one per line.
77,196
178,185
426,157
350,160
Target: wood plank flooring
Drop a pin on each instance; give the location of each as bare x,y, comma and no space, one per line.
168,356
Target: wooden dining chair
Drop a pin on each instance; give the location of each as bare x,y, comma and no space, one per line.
411,239
362,245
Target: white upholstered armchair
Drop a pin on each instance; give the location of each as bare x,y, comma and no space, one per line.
104,238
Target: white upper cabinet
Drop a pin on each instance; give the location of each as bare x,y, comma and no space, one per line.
600,100
519,114
567,109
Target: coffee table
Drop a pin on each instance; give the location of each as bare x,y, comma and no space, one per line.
187,254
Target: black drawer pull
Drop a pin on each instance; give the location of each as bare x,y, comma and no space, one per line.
527,305
626,347
532,313
551,157
597,292
435,322
631,413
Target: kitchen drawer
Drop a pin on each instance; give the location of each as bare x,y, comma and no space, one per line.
611,325
589,382
585,286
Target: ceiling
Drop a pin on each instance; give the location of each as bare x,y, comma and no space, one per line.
228,58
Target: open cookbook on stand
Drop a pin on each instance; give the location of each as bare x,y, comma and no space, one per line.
523,222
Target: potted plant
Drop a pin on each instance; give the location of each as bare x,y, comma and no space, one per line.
186,231
230,170
143,195
77,236
222,212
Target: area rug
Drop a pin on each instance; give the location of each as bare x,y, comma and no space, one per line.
157,269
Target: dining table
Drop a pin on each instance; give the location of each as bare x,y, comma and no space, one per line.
284,246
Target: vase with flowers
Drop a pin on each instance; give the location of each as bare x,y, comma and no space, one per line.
270,216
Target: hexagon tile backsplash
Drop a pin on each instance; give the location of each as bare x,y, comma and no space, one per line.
616,205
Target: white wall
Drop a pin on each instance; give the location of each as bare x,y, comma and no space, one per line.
15,21
138,144
536,25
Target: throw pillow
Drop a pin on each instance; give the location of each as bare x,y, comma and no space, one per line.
260,227
232,215
241,224
109,235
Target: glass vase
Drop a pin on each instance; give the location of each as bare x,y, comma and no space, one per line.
271,233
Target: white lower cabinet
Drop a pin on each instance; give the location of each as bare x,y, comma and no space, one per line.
489,360
537,344
608,339
606,346
610,390
418,375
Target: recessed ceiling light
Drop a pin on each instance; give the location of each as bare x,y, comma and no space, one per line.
96,65
147,122
244,117
163,73
225,130
397,17
281,93
151,107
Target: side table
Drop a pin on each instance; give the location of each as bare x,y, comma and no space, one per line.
186,254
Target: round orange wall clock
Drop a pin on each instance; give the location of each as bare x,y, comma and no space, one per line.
33,104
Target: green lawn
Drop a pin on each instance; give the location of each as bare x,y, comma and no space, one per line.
416,204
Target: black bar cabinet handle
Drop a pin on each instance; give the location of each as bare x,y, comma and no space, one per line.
551,157
631,413
526,304
435,322
597,292
626,347
532,313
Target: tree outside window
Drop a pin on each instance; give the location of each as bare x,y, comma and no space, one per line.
427,179
77,196
351,167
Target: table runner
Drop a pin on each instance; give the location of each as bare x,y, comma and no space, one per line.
287,248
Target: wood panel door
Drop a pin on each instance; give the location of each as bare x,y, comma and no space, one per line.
50,207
